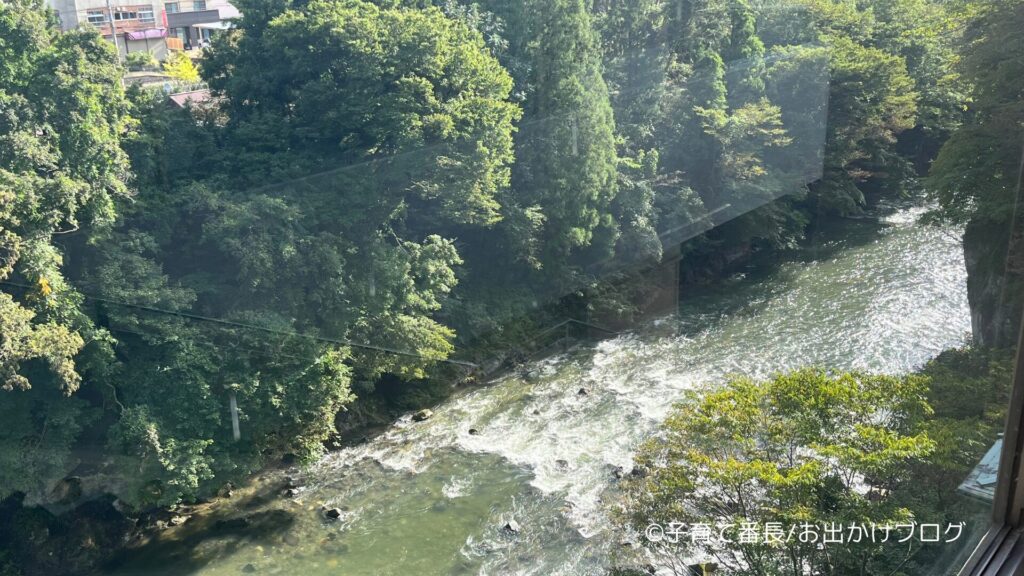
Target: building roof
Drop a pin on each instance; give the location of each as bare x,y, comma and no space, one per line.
981,482
194,97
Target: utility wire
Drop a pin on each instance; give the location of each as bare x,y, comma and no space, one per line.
234,324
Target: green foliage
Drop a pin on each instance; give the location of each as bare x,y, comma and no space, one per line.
412,175
962,430
140,60
568,166
62,114
818,447
975,174
180,67
807,446
345,254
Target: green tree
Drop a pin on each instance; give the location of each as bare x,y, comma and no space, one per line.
180,67
62,117
803,447
566,160
977,175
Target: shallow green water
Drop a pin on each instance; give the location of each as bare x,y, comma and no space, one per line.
430,498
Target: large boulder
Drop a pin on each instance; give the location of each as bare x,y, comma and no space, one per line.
178,520
422,415
511,527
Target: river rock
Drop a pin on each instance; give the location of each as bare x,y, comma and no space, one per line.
473,432
561,464
422,415
67,490
179,520
232,524
512,527
248,568
333,513
290,492
583,392
638,472
618,472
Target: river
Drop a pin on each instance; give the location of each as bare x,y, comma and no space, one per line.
429,497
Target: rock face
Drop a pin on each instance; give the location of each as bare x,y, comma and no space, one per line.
77,541
511,527
422,415
993,293
68,490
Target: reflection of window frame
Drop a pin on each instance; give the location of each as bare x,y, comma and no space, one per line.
1001,550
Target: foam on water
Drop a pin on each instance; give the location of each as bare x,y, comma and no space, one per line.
887,304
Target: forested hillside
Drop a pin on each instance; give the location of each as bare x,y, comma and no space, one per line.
382,187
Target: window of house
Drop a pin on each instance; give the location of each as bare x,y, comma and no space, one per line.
199,5
96,17
172,7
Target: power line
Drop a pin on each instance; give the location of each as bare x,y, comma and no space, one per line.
235,324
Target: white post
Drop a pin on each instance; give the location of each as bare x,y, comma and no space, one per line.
234,418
